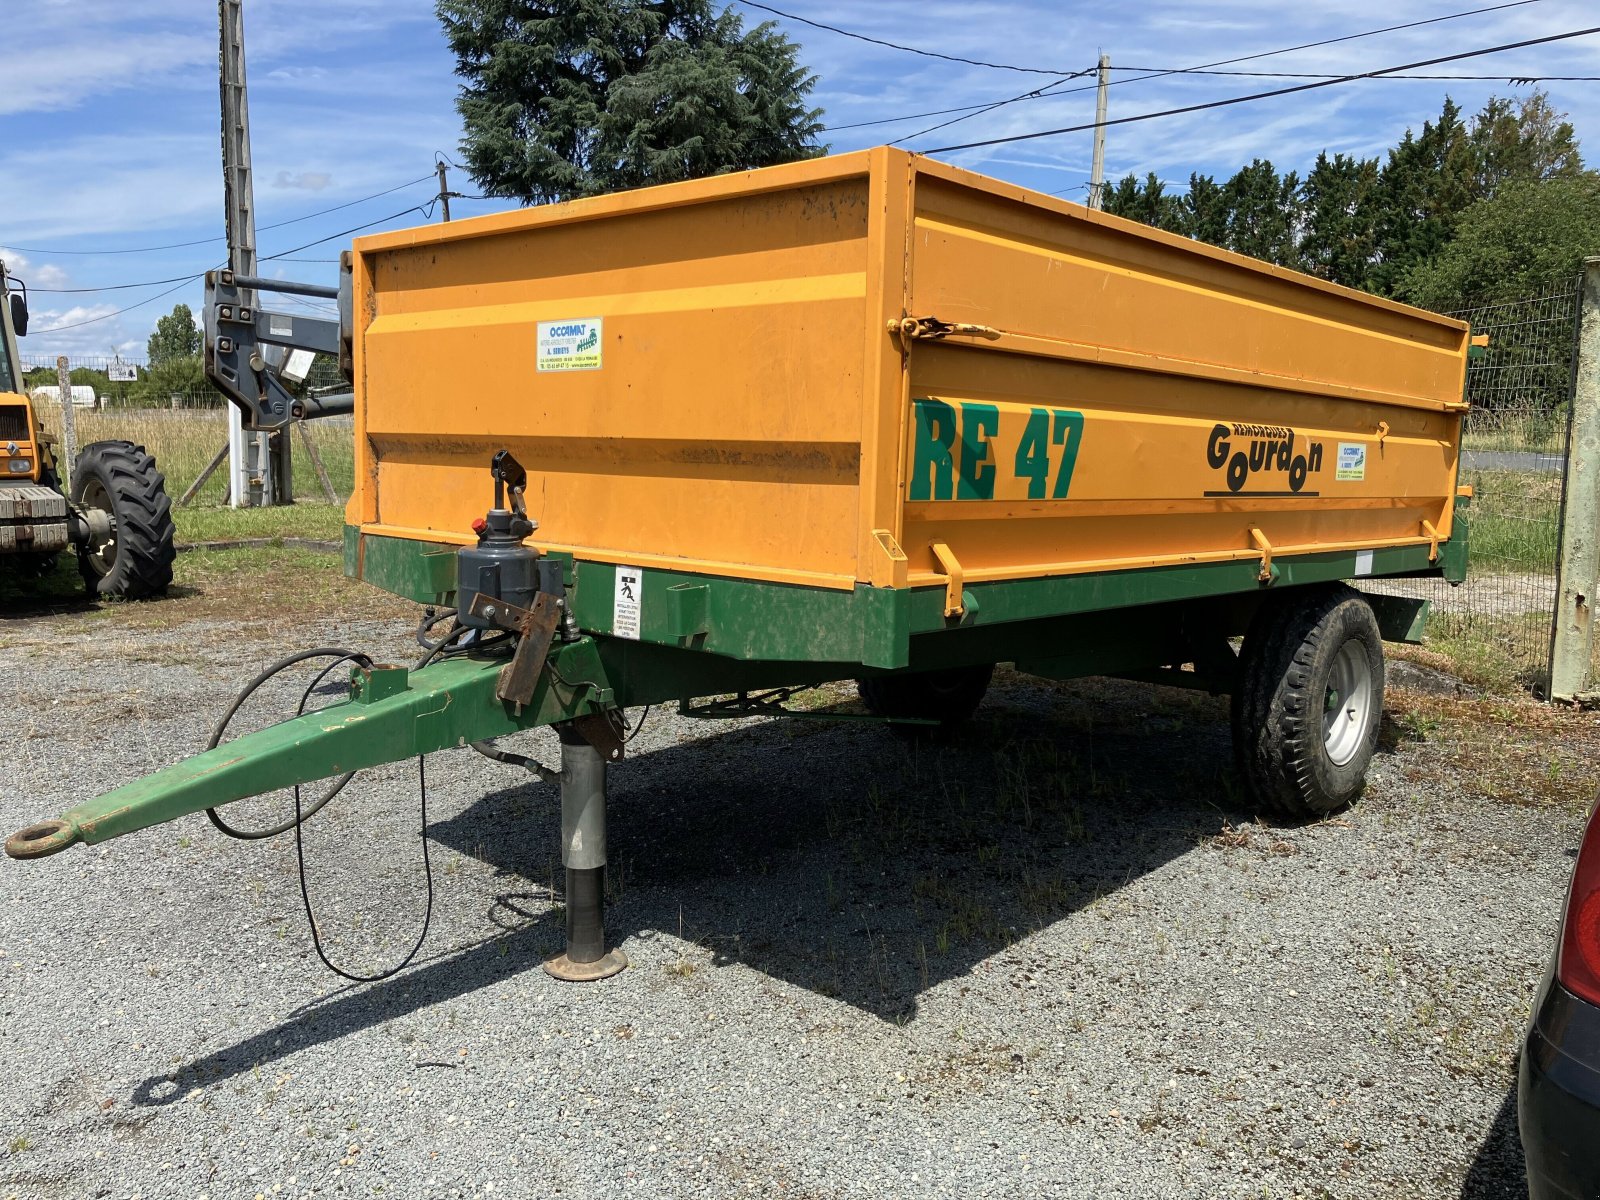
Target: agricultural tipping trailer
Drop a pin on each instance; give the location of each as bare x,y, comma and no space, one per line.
866,417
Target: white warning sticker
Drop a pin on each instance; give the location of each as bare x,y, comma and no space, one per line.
625,607
571,345
1363,563
1351,465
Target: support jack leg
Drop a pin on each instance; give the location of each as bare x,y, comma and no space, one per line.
583,853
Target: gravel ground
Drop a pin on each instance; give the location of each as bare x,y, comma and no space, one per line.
1053,956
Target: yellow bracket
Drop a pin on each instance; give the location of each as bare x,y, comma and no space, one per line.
1383,432
954,577
1260,539
1432,535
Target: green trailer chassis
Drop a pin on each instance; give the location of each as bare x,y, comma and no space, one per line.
703,637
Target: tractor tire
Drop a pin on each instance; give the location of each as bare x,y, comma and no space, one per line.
136,561
950,696
1309,702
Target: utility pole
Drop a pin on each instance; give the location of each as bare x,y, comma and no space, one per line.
259,465
1097,172
444,189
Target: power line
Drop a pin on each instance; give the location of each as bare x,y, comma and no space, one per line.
426,210
1225,62
119,312
1302,87
207,241
1045,93
1512,79
861,37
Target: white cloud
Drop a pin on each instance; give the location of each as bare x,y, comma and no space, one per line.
311,181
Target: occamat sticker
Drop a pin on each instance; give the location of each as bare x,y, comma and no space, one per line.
571,345
1351,464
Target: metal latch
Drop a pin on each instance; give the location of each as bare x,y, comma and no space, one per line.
911,329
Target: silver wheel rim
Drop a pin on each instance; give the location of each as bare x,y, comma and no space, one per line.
101,555
1347,705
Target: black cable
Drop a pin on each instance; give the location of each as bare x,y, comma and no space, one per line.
429,619
861,37
339,655
643,717
425,210
1303,87
120,311
1513,79
303,814
427,872
1158,73
209,241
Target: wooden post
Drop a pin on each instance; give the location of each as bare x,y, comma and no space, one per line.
1578,565
69,418
193,488
1097,171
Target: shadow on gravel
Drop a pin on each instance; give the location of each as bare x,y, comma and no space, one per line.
1499,1169
863,866
842,858
519,947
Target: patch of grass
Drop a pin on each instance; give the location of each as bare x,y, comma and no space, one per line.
286,584
1513,749
1514,519
183,441
303,519
19,1144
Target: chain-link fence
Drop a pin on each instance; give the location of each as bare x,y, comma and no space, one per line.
1514,456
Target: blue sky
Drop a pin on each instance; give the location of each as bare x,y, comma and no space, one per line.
109,114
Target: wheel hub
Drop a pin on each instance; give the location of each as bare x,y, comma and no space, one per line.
1347,704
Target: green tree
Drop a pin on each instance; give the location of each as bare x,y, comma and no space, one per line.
1205,210
1147,201
1526,139
589,96
1424,188
1338,203
181,376
1264,213
175,337
1511,243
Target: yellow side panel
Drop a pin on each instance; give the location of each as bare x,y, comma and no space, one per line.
716,420
1137,401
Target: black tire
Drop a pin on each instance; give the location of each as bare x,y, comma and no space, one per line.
136,562
950,696
1309,702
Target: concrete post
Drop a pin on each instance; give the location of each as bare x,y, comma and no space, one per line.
1578,565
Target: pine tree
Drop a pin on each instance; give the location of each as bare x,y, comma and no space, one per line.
589,96
1338,201
1263,213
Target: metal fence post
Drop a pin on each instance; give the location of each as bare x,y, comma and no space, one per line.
1578,566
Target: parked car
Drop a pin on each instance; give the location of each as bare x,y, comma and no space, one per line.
1558,1081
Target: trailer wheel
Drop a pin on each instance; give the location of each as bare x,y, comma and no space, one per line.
135,561
950,696
1309,702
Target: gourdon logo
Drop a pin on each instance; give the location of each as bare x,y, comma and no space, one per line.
1246,452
